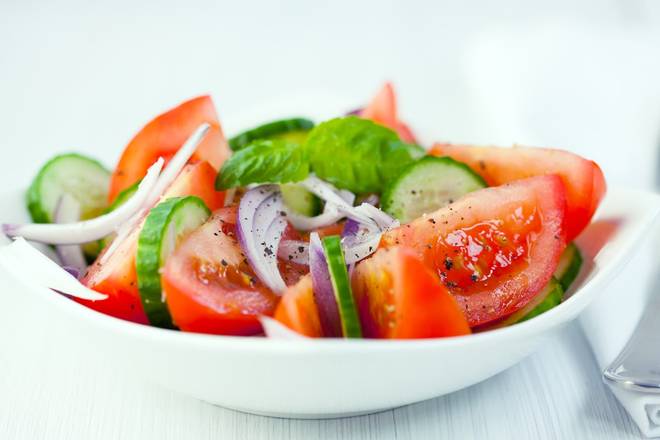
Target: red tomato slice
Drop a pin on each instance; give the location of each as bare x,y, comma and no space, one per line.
117,277
399,297
585,183
163,136
297,309
383,110
209,285
495,249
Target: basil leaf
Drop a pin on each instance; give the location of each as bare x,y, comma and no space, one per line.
357,154
264,161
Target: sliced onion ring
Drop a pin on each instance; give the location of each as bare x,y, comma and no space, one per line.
89,230
259,231
276,330
381,218
66,211
31,266
324,293
295,251
171,171
329,216
176,164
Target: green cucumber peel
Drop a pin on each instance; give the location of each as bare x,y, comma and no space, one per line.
350,320
167,223
84,178
569,266
292,130
553,294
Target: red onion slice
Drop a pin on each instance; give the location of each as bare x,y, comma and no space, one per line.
259,231
381,218
331,196
89,230
329,216
295,251
71,256
324,294
32,267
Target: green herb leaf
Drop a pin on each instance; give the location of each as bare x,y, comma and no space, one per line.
357,154
264,161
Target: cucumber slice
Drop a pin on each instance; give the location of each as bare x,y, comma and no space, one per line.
165,226
292,130
548,298
300,200
350,322
552,295
569,266
427,185
83,178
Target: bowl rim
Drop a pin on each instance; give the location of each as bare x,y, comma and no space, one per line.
569,308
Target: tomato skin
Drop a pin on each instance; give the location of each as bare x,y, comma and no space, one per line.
297,309
383,110
163,136
209,286
584,180
529,212
398,297
117,277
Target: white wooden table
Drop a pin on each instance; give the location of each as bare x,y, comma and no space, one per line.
85,76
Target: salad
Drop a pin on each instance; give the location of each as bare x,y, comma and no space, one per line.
338,228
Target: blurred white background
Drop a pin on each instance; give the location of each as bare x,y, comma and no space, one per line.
86,76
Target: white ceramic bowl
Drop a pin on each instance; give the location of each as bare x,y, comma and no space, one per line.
331,378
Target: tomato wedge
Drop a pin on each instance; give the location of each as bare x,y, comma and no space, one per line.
397,296
584,180
163,136
494,249
117,277
297,309
383,110
209,285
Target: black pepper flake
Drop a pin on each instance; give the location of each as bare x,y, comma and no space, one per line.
432,220
215,233
301,249
371,248
448,263
413,192
290,257
428,246
451,200
268,251
224,262
474,277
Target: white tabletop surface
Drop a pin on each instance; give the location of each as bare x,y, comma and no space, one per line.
77,77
